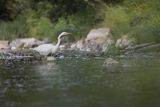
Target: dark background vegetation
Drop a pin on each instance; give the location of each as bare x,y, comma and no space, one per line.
47,18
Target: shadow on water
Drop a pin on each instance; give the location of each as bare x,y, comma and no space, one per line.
134,82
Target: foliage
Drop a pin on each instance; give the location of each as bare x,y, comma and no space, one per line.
39,27
118,19
139,19
47,18
15,29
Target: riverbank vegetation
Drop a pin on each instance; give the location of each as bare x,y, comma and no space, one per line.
47,18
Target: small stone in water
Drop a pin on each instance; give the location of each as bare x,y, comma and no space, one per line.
110,61
61,57
51,58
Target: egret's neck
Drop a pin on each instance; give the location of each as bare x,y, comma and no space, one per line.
59,41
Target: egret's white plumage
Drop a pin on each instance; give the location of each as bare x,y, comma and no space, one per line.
46,49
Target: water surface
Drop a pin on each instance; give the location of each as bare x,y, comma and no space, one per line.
83,82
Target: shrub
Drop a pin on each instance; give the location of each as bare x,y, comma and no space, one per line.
139,19
13,29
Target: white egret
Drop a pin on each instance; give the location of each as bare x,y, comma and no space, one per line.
46,49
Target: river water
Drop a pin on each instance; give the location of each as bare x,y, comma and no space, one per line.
83,82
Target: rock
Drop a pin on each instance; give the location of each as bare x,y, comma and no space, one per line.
73,46
47,40
61,57
65,46
106,46
79,45
62,47
16,44
110,61
98,40
25,43
124,42
99,35
13,48
51,58
4,44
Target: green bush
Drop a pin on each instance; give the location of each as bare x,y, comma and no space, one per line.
118,20
139,19
136,18
78,24
82,23
13,29
40,27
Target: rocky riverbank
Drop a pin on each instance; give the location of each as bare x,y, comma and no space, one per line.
98,41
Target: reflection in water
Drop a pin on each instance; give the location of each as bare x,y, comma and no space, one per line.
45,69
82,83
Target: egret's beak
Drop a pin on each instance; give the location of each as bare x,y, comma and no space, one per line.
68,33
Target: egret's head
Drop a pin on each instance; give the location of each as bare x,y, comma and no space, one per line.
63,34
